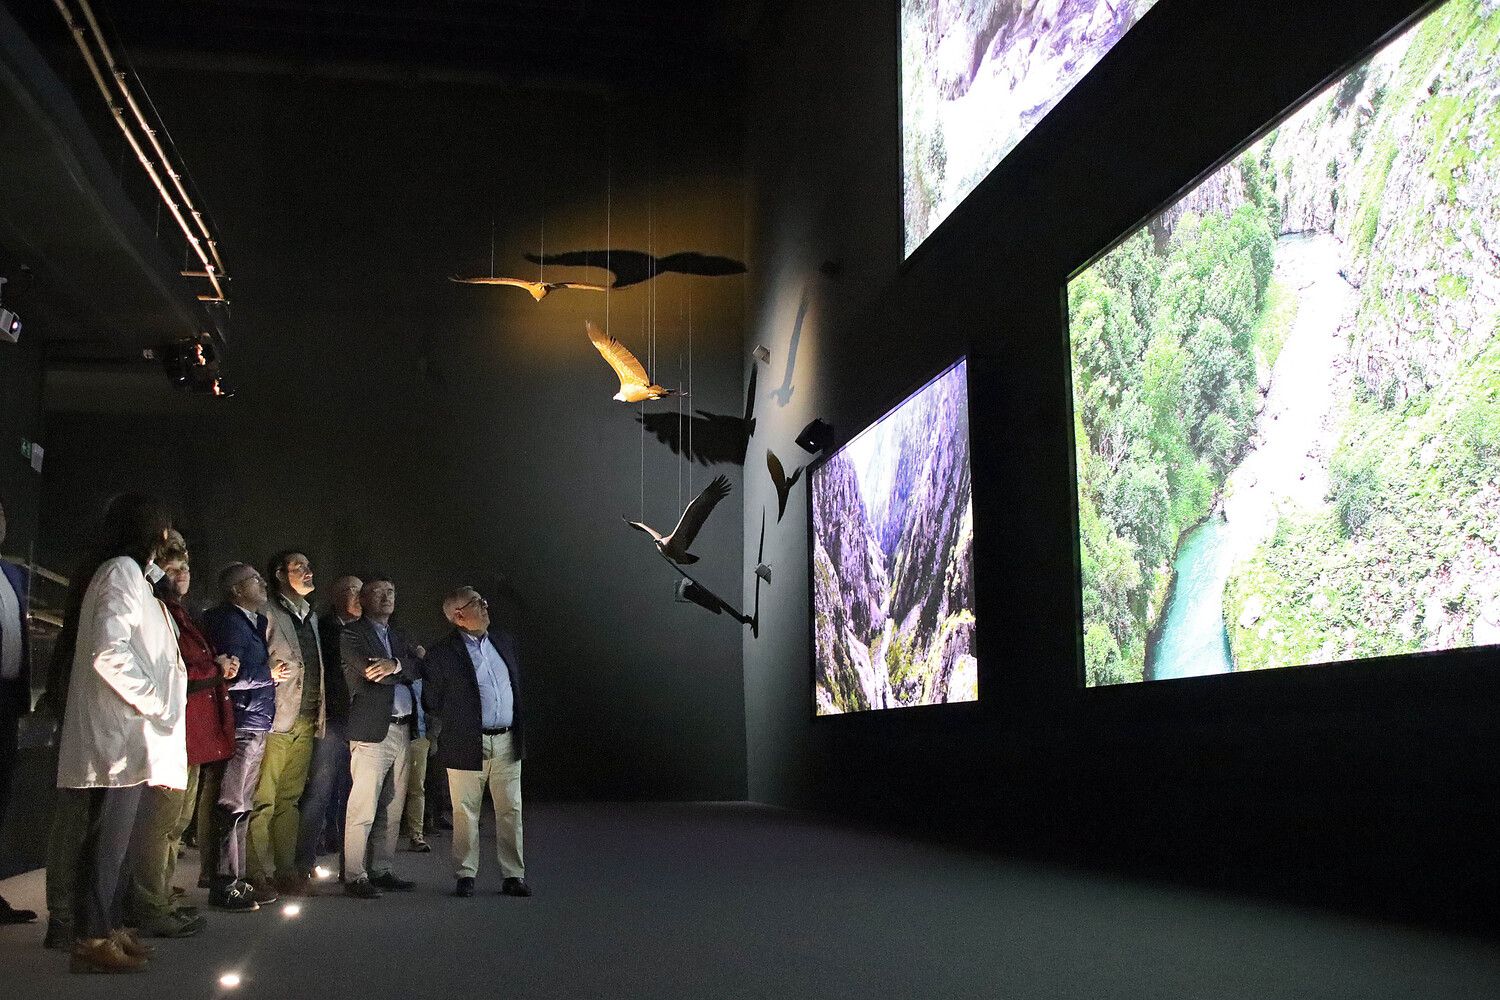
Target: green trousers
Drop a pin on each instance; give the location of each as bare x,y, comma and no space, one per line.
275,820
416,790
70,826
164,816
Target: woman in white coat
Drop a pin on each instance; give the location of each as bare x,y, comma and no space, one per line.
122,729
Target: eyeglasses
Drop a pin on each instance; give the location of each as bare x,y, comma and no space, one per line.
476,598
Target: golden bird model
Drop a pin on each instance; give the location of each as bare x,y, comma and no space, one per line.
635,384
675,546
539,289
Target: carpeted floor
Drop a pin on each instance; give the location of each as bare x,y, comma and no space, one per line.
726,900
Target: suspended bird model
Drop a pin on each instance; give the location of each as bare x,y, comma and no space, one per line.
539,289
635,384
675,546
631,267
783,484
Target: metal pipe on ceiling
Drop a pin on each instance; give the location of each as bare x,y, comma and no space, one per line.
150,168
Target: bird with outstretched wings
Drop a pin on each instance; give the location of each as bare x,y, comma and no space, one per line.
675,546
635,384
781,481
631,267
539,289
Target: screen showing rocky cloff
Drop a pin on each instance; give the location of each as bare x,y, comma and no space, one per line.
976,76
1287,385
893,559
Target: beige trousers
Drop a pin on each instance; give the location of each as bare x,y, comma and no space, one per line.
416,790
377,789
501,772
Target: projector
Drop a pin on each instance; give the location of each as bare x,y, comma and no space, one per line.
10,326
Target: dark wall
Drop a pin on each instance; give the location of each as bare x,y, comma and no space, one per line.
388,419
1363,785
20,418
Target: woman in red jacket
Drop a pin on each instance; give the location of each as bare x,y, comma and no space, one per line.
210,738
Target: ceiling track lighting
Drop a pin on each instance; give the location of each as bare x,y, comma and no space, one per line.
197,235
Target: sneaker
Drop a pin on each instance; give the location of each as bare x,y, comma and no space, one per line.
103,955
515,887
59,934
363,888
465,887
417,845
263,892
173,926
389,881
233,898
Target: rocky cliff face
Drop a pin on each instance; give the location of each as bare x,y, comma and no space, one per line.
842,526
1221,193
933,519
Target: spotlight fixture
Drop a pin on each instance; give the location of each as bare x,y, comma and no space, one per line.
322,872
764,572
815,437
230,980
291,910
688,592
762,354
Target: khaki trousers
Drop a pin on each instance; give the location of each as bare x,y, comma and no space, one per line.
374,816
501,773
159,824
275,820
416,790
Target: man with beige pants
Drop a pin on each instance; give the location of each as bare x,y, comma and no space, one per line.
472,694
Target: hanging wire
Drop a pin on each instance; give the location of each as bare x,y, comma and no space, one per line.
492,241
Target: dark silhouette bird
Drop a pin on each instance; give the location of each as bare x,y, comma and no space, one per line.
635,385
708,438
631,267
539,289
782,483
675,546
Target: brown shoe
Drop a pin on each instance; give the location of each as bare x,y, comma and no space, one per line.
103,955
131,943
293,885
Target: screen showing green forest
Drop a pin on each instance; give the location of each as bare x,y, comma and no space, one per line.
1286,386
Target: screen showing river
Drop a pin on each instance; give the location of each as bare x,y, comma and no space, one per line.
976,76
893,558
1287,385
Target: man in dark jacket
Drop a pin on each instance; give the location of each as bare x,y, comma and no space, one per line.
237,628
328,778
15,689
472,694
380,667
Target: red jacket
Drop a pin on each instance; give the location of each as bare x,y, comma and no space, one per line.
210,717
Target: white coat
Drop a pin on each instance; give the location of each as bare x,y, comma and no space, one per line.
127,699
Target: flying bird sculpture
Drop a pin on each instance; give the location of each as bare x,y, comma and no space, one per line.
635,384
783,484
675,546
539,290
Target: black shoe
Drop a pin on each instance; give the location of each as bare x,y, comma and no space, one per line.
444,823
388,881
10,915
515,887
465,888
59,934
236,897
262,892
363,888
417,845
205,882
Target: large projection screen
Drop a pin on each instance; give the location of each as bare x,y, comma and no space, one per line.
892,530
976,76
1286,386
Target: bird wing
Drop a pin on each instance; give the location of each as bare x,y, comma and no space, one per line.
478,280
625,364
778,472
697,512
638,526
582,285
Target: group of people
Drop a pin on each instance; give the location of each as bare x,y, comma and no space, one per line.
248,720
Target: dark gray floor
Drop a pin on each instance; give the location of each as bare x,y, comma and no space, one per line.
743,901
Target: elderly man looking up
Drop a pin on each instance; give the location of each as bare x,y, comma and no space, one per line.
473,698
238,628
380,666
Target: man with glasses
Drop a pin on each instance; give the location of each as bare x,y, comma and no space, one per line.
380,666
473,700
